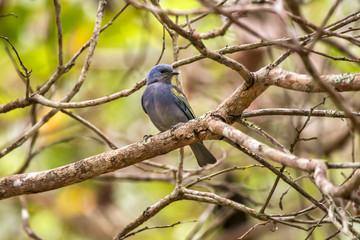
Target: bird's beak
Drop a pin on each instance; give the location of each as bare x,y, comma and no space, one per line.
175,73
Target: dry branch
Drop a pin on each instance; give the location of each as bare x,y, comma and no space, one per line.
315,166
91,167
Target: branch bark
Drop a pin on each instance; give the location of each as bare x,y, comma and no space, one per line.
28,183
315,166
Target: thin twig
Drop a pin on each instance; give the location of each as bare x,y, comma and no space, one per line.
299,131
26,74
252,228
42,148
314,227
59,32
89,103
10,14
162,49
180,171
21,75
200,221
262,210
156,227
33,116
25,219
208,177
261,132
89,125
148,213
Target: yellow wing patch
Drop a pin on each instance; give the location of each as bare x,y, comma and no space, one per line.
177,93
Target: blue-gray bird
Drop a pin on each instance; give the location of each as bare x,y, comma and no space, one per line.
166,105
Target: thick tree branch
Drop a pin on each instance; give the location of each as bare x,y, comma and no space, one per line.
305,83
82,170
315,166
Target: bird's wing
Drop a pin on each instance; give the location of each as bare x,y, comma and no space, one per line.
142,103
182,102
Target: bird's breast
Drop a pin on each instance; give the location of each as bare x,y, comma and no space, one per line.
161,106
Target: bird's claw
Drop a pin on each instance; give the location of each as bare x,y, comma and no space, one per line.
173,127
146,137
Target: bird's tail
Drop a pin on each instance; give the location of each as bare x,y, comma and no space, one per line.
203,156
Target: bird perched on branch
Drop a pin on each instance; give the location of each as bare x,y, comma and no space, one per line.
166,105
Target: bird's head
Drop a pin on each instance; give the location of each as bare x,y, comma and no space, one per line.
161,73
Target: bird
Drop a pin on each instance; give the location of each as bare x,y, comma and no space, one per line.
166,105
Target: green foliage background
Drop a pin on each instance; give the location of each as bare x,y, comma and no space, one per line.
125,52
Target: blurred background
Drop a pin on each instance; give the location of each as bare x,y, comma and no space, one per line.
98,208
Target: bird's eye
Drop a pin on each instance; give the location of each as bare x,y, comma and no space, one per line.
163,71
